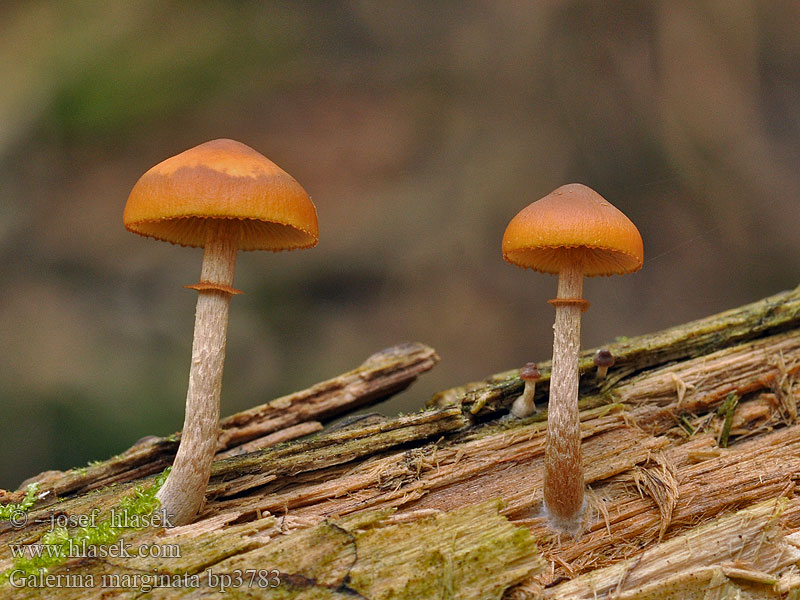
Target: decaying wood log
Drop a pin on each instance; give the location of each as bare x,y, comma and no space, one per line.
381,375
691,451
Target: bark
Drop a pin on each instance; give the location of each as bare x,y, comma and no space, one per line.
445,503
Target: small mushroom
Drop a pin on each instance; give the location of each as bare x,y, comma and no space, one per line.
225,197
572,232
524,405
603,360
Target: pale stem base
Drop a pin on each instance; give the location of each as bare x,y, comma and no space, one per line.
183,493
563,479
525,406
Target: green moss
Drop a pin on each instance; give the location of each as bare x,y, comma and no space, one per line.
57,543
13,509
471,553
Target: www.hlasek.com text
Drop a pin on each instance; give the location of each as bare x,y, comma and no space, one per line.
84,549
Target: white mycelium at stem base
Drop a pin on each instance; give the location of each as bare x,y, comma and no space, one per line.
183,493
563,478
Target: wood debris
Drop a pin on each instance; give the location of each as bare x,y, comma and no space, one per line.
691,495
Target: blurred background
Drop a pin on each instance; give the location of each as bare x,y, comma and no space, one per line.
419,129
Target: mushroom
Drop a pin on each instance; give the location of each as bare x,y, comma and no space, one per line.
524,405
572,232
603,359
225,197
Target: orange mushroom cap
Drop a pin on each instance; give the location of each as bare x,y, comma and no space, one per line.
178,198
573,224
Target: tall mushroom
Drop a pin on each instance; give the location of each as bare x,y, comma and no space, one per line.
572,232
225,197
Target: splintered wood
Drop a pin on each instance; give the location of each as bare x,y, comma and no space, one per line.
280,420
747,548
772,315
650,479
691,451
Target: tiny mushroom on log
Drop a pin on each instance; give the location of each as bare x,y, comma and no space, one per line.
572,232
524,405
603,360
225,197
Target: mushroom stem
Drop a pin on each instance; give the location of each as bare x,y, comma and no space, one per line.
525,405
563,479
182,494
